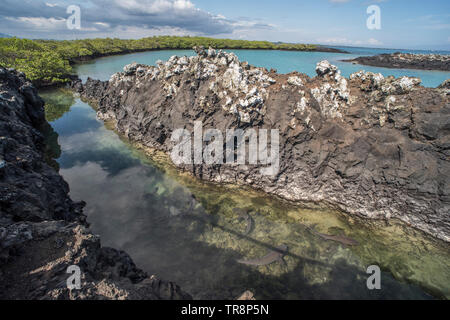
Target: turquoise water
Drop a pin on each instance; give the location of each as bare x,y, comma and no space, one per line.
283,61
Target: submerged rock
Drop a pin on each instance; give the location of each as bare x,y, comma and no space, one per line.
247,295
42,231
371,146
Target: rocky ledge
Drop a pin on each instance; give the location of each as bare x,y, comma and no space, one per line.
370,146
42,231
400,60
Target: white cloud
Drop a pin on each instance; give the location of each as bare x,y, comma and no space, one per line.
155,6
349,42
183,4
144,16
102,24
49,24
39,17
374,42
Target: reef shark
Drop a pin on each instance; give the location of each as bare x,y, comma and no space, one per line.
272,256
342,239
243,215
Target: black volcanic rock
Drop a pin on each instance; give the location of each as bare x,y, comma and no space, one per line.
371,146
42,231
406,61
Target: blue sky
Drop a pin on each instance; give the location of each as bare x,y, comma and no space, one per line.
415,24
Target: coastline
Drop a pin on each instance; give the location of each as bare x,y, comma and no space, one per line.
89,58
48,62
432,62
362,200
73,62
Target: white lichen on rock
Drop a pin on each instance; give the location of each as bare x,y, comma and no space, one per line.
400,86
295,81
332,95
241,89
324,67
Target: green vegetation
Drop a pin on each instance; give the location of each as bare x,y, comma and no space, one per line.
48,61
41,64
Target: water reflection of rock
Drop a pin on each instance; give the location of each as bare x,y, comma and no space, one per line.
52,148
57,103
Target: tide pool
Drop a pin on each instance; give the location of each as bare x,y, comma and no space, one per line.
185,230
283,61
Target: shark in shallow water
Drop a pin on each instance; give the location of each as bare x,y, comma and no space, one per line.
270,257
243,215
342,239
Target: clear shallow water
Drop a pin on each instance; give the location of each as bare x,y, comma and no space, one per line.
283,61
184,230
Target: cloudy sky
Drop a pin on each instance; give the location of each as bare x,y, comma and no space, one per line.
416,24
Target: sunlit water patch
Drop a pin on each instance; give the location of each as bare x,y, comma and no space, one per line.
187,231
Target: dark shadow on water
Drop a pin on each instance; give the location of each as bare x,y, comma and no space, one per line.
110,159
209,272
210,220
52,148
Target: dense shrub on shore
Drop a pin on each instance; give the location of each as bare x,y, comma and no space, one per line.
41,64
48,61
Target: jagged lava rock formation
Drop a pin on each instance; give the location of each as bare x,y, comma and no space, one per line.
42,231
406,61
371,146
